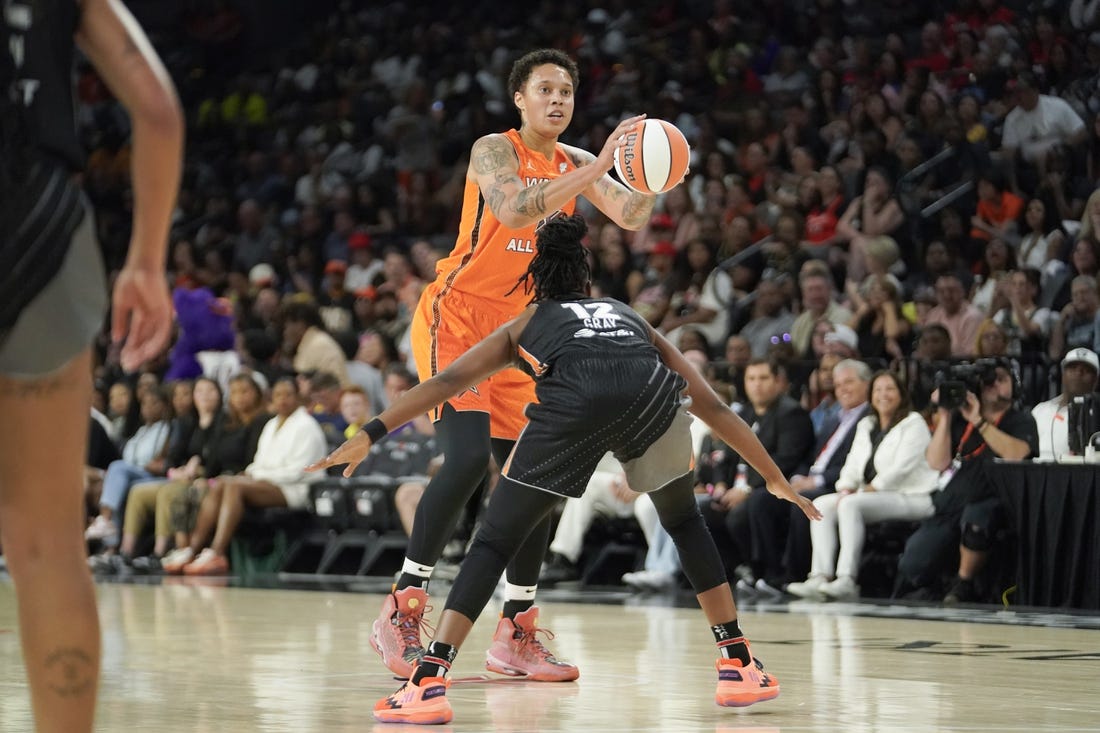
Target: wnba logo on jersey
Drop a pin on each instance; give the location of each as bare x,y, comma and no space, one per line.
542,222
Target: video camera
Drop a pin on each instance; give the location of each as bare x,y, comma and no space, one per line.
958,379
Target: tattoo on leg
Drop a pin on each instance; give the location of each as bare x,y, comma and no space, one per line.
33,388
71,672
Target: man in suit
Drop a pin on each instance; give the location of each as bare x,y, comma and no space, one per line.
753,519
851,382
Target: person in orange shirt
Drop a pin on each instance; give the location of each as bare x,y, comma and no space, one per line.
998,209
516,181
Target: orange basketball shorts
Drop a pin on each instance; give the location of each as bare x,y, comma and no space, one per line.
446,325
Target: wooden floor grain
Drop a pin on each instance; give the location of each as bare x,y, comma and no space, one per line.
209,659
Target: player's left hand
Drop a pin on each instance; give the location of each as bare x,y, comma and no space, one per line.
782,490
352,452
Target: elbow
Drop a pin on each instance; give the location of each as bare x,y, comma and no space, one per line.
162,115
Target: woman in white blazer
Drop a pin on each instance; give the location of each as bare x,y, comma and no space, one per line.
289,442
885,476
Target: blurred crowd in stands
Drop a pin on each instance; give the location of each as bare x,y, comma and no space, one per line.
893,184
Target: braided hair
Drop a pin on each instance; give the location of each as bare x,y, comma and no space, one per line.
560,265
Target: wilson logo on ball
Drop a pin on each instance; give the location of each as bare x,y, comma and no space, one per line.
653,158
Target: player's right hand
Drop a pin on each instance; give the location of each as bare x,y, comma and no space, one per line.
352,452
606,158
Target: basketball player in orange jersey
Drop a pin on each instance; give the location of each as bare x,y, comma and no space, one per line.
516,181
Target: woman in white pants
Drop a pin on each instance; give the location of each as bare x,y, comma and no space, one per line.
885,476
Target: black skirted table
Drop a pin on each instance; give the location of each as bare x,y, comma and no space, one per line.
1055,510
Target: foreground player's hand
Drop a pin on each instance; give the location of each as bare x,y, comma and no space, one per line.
782,490
352,452
141,314
606,157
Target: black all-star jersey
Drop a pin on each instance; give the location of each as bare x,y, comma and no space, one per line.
594,327
601,386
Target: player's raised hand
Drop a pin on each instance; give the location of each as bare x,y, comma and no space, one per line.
606,157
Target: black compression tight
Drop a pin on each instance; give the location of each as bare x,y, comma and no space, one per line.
680,517
464,439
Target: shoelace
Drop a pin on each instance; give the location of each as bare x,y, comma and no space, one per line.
529,643
411,624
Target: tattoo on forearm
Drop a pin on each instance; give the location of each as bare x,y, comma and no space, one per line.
637,209
71,672
531,201
495,200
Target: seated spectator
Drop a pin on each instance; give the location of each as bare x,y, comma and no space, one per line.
1033,128
1084,259
819,394
227,447
998,209
885,476
999,260
992,340
842,341
877,320
1078,325
728,376
960,533
366,367
310,346
931,353
818,302
750,517
290,441
143,458
876,212
1079,377
1026,324
770,318
1041,235
956,314
324,405
123,413
355,409
833,439
709,311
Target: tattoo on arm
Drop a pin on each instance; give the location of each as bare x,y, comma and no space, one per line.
637,208
531,201
71,672
491,156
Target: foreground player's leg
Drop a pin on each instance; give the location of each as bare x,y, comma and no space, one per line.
741,677
513,511
42,522
464,440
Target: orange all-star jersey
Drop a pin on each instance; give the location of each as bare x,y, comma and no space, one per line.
488,258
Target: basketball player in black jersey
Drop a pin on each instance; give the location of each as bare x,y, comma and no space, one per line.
52,300
606,381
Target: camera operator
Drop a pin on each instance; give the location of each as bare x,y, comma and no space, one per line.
970,432
1079,372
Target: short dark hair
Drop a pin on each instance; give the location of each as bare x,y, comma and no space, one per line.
773,366
302,311
324,380
524,65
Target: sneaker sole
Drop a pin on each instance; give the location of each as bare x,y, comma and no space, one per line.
743,700
495,665
401,670
416,717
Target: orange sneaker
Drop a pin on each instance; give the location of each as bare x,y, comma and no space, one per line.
740,686
396,635
207,563
517,652
423,704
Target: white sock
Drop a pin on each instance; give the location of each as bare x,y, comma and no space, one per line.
519,592
411,567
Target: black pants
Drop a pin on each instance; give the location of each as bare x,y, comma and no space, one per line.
464,438
515,509
757,530
933,550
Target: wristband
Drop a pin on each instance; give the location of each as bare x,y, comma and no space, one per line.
375,430
981,424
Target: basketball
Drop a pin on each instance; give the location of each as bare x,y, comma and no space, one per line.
654,157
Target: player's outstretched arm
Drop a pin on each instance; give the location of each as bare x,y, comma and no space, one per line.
495,168
493,353
728,426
